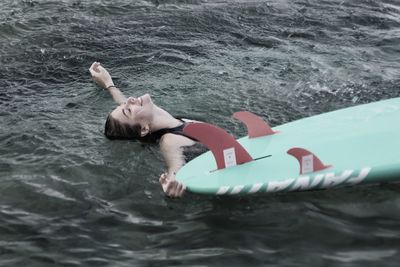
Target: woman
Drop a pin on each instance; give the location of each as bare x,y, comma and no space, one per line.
139,118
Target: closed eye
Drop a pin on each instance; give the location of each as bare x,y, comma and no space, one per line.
123,112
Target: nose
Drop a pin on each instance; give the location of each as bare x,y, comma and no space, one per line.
131,100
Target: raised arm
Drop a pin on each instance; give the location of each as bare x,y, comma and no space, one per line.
171,146
103,79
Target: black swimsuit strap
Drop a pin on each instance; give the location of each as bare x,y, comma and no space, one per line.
156,136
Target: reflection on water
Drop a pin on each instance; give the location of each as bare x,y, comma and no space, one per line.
69,197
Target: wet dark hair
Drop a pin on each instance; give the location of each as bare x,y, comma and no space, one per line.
114,129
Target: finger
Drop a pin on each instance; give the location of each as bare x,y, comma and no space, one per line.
92,66
164,181
178,189
178,192
169,192
174,188
182,191
174,192
101,68
169,187
92,72
163,177
97,67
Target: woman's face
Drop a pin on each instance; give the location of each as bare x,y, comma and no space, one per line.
135,110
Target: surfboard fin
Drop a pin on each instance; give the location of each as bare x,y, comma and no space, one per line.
226,150
307,160
255,125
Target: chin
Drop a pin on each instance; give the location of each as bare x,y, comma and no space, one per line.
146,99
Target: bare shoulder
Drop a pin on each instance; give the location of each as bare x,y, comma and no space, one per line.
174,140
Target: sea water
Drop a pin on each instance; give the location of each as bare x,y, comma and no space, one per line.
70,197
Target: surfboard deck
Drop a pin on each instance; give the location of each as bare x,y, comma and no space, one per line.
360,144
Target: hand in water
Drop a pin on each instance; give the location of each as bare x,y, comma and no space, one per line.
100,75
171,187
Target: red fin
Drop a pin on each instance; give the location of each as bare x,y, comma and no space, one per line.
256,126
226,150
307,160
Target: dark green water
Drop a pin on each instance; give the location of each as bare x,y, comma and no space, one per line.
69,197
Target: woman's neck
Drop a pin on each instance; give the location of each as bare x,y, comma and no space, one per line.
163,120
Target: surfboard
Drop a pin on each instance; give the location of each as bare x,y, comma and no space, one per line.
347,147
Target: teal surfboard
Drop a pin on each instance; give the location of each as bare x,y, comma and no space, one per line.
351,146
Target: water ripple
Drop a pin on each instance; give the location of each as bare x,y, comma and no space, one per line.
70,197
364,255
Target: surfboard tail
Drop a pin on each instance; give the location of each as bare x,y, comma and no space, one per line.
307,160
226,150
256,126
